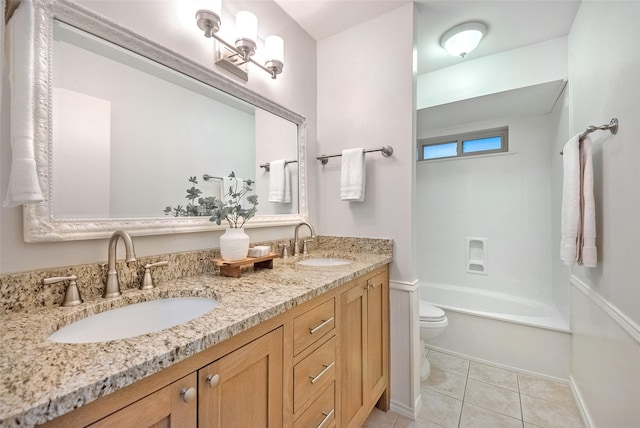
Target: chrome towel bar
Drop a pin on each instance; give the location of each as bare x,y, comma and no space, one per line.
386,152
611,126
267,166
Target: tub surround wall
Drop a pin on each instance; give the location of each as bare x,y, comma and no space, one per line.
22,292
605,309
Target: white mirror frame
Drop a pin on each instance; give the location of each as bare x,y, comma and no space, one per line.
39,223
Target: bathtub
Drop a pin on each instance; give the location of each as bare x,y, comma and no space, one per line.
509,331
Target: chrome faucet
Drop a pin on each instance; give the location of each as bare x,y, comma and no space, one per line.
296,245
112,285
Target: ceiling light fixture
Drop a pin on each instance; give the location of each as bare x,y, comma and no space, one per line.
234,57
463,38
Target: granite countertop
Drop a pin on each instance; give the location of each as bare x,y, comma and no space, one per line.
42,379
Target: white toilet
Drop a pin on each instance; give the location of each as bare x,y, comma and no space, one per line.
433,321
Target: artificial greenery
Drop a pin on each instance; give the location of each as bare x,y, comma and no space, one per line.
230,209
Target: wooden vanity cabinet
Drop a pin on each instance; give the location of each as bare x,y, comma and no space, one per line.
243,388
324,363
365,348
172,406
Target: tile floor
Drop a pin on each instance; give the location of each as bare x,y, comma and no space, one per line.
463,394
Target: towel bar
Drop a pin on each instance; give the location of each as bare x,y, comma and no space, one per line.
386,152
267,166
611,126
208,177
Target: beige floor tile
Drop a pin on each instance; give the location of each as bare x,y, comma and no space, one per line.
549,414
440,409
493,398
446,383
494,376
477,417
448,363
530,425
380,419
403,422
539,387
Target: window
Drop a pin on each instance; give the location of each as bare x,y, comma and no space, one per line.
469,144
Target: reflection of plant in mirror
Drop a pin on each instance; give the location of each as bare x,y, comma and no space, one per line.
230,209
203,207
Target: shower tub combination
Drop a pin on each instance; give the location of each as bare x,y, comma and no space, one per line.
509,331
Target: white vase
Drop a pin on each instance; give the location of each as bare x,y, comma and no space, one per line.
234,244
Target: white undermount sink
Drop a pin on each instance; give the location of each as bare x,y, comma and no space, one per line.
325,261
134,320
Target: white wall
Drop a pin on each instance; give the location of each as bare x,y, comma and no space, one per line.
366,99
504,198
604,65
504,71
172,23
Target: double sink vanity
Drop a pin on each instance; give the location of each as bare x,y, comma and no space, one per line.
303,344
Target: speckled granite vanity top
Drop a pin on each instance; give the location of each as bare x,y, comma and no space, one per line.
42,379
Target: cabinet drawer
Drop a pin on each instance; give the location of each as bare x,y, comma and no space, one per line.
313,324
321,414
314,373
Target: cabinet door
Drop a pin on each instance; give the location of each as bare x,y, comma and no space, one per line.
353,335
377,338
172,406
244,388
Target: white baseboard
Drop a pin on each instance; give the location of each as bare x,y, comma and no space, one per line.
582,408
404,410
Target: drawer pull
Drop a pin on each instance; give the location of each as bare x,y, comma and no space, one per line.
188,394
314,379
213,380
327,417
322,324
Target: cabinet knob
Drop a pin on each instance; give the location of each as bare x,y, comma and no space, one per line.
213,380
188,394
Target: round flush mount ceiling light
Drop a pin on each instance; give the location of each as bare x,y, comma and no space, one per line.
463,38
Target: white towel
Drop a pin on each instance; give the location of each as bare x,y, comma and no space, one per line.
352,175
570,223
589,252
24,187
279,182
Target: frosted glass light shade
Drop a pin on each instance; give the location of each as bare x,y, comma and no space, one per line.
246,26
274,48
464,38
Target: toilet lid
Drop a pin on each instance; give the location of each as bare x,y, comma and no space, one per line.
430,313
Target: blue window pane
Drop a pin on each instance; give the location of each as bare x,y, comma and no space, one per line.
443,150
482,144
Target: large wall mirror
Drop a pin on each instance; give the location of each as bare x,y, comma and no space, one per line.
124,123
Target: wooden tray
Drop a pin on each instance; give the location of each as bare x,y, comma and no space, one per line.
234,268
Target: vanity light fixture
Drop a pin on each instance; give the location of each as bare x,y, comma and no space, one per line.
463,38
234,57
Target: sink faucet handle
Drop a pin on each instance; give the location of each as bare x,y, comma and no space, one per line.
305,249
71,294
285,250
147,281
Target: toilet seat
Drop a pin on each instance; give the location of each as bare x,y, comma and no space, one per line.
430,313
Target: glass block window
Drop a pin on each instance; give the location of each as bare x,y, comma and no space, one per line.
468,144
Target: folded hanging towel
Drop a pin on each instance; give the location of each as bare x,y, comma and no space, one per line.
578,228
352,183
24,187
279,182
588,254
571,191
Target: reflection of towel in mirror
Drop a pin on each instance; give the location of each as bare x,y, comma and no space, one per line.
279,182
352,175
24,187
